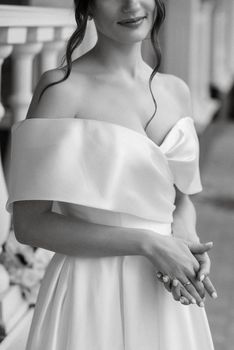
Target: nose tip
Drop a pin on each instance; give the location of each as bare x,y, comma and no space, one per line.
130,6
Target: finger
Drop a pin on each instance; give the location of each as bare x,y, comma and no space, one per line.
167,283
176,292
196,266
187,295
205,265
165,278
184,301
161,278
210,288
193,292
199,248
175,289
204,270
199,286
159,275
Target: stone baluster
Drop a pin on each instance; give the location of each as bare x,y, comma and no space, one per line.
54,49
22,58
49,55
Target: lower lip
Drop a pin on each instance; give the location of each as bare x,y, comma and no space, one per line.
133,24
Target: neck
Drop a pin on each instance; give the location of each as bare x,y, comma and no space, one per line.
118,57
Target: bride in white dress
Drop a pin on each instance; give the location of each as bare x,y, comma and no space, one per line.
101,173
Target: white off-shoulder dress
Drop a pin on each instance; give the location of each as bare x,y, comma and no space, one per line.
107,174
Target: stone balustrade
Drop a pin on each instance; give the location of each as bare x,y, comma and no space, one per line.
27,33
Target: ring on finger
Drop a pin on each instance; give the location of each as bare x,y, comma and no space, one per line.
186,284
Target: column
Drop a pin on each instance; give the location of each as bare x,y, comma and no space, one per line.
220,74
22,58
49,55
230,37
204,53
181,39
187,36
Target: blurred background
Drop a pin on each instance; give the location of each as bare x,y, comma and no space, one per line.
197,41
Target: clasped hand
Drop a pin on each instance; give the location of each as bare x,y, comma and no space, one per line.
184,269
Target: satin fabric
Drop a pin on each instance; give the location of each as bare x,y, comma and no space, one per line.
107,174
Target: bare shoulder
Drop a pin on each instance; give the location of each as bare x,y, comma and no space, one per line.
53,101
173,103
178,91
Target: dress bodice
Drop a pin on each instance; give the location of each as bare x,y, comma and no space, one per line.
102,166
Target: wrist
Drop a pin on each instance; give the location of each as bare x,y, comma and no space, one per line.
151,243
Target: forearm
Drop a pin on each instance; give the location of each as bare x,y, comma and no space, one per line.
72,236
184,219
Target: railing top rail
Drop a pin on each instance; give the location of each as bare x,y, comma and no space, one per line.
32,16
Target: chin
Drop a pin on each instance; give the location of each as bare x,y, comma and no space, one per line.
132,37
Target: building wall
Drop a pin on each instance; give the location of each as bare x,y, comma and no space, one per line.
51,3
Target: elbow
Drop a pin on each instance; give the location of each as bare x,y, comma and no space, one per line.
21,231
28,216
22,227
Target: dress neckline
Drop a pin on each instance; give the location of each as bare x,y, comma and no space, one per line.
138,133
144,136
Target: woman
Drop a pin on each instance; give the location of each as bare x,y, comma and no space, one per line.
110,199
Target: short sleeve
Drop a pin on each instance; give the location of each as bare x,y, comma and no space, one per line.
89,163
182,151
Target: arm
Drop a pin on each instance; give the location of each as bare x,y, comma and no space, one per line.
36,225
184,220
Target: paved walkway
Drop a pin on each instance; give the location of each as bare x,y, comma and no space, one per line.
215,209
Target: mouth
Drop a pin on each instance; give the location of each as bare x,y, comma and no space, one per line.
132,20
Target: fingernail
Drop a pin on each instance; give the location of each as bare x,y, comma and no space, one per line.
210,243
165,279
193,301
175,283
202,278
201,304
182,300
214,295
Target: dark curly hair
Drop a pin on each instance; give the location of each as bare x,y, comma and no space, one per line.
82,9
